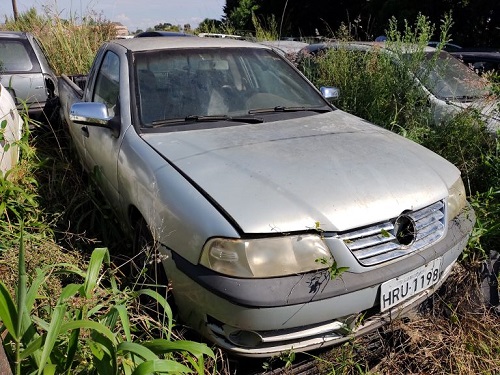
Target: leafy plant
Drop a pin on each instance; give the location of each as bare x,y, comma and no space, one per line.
333,268
87,320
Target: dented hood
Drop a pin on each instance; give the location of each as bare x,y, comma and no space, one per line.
285,176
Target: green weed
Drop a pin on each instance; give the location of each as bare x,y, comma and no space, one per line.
94,313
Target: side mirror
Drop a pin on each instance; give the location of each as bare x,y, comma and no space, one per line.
89,114
330,93
94,114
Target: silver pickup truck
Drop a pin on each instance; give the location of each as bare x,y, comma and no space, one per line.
282,222
27,75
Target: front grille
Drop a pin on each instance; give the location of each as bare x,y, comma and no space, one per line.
400,236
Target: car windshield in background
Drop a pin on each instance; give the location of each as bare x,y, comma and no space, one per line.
448,78
225,83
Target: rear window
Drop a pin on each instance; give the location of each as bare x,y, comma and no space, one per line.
14,57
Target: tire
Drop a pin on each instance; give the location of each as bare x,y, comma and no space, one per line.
489,276
146,266
147,272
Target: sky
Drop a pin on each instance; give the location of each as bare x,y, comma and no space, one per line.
134,14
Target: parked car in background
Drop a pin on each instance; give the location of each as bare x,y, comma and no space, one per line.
448,47
26,73
449,85
287,48
161,33
481,61
11,125
282,222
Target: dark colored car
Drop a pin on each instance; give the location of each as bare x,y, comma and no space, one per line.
160,33
481,61
448,47
26,73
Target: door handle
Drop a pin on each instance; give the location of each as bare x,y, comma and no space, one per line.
85,131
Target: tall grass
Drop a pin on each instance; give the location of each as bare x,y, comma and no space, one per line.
265,29
379,86
70,44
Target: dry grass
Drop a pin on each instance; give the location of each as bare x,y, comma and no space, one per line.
38,256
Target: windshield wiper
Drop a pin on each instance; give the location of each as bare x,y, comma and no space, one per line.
212,118
280,108
462,98
247,119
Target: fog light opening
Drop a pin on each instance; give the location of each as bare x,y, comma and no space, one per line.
247,339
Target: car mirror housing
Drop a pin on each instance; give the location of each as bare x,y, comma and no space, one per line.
94,114
89,114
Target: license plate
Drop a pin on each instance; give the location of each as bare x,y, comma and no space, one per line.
401,288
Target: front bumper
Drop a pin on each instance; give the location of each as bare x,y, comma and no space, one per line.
265,317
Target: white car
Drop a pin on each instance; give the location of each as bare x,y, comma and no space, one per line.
11,125
450,86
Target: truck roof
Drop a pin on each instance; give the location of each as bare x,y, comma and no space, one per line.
159,43
14,34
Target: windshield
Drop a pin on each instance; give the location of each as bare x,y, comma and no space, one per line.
225,83
448,78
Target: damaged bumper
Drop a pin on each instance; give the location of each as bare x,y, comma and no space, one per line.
265,317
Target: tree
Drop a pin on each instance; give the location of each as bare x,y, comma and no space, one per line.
166,27
475,23
240,17
209,25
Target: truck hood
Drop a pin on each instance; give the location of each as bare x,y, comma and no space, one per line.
333,169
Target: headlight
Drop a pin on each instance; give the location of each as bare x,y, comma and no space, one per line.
456,199
265,257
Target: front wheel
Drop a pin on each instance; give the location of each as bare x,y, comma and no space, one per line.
147,271
489,276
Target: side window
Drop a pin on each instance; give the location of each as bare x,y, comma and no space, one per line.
107,86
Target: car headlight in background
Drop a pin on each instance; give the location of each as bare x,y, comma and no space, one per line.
265,257
456,199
